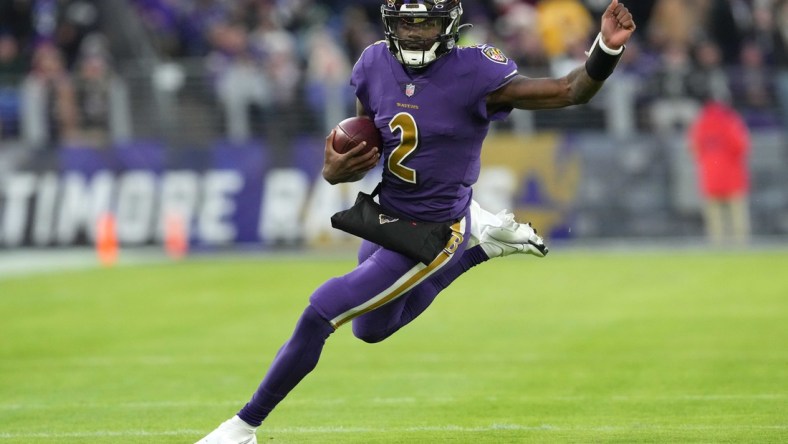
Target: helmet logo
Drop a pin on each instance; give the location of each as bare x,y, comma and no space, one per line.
410,89
391,3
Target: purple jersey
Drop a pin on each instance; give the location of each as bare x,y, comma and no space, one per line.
433,122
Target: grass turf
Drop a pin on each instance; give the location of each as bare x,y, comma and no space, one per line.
574,348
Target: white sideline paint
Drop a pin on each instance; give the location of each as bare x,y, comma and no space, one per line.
19,263
25,262
394,430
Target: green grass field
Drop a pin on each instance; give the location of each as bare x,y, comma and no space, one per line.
652,347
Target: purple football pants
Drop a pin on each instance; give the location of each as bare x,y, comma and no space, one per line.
381,295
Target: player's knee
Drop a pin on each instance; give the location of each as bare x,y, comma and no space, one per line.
369,336
312,322
312,315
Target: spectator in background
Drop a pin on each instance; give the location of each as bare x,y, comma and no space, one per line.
102,97
193,20
720,143
49,107
161,23
727,22
240,81
709,77
563,25
327,89
282,66
13,68
517,24
674,106
752,86
676,22
357,31
75,20
779,38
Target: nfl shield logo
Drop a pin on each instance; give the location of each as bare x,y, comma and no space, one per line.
410,89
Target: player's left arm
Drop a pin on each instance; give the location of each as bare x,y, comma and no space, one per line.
582,83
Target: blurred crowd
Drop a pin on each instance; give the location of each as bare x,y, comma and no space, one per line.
57,79
60,81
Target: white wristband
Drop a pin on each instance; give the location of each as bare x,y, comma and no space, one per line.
605,48
602,60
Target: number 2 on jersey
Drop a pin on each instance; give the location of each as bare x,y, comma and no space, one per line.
408,142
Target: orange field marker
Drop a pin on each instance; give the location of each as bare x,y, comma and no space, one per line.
176,236
107,248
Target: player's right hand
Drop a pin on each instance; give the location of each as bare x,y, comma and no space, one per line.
351,166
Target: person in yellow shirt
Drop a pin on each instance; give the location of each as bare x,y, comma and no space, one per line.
561,24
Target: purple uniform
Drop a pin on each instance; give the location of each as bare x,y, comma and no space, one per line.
432,136
428,98
432,130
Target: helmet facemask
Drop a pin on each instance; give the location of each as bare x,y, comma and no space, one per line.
419,33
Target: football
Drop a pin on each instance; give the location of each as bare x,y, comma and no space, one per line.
354,130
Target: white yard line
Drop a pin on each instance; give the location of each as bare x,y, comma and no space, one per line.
398,401
641,428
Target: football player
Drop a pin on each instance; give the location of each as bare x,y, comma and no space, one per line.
433,103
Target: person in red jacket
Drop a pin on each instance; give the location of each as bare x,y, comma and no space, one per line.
720,143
